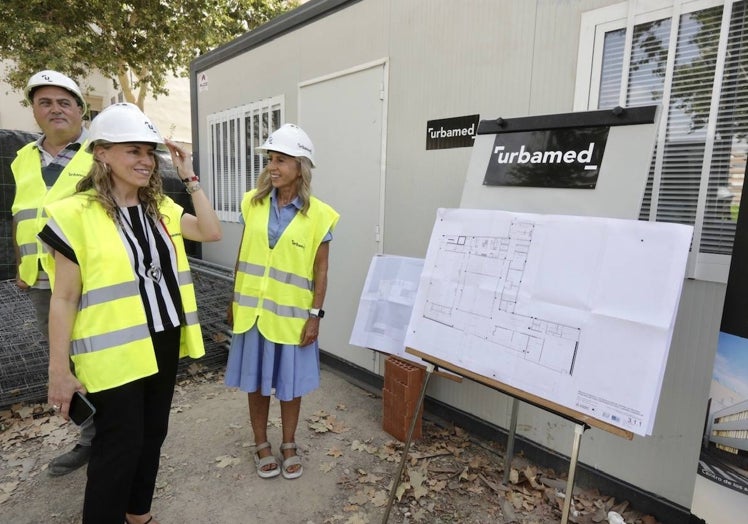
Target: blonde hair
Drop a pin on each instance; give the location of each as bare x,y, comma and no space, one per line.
99,178
303,184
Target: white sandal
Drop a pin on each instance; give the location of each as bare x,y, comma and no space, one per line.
262,463
294,460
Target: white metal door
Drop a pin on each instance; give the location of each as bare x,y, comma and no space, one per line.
344,115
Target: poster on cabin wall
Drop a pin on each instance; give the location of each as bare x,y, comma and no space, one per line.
722,481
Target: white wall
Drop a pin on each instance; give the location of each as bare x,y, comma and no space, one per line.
13,115
171,113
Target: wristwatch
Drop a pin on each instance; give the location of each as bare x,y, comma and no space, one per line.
315,312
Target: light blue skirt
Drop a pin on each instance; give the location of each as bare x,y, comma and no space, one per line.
257,364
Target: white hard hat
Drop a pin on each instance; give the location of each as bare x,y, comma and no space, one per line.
54,78
123,122
291,140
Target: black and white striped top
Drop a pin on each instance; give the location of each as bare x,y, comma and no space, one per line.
153,258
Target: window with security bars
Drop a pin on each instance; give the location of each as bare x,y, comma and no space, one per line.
690,59
235,164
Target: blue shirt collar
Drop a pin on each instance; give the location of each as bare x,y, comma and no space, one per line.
296,201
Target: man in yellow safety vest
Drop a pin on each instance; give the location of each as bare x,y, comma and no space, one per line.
47,170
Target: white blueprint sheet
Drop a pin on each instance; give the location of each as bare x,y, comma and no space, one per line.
386,304
576,310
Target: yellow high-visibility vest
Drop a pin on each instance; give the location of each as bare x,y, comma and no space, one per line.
111,343
31,197
275,287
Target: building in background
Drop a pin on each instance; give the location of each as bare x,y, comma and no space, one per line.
170,113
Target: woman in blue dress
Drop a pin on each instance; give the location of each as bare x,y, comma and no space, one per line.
279,290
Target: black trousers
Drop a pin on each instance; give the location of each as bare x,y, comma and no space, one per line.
131,424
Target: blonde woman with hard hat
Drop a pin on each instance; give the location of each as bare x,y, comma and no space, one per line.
123,305
47,170
279,291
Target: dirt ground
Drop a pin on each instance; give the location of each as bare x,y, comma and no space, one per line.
207,473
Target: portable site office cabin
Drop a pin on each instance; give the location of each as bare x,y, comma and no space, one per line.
364,78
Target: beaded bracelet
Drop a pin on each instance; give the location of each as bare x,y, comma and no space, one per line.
193,178
193,188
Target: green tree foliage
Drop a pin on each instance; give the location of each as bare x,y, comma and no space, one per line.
139,44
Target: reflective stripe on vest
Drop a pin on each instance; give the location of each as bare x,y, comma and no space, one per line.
185,279
31,197
290,278
115,338
251,269
283,277
105,294
275,287
111,342
285,311
244,300
19,218
116,292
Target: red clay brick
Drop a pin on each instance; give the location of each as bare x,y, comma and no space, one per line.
402,389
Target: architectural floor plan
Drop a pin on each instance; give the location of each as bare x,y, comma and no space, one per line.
481,301
577,311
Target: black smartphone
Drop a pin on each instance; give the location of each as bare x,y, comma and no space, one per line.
81,410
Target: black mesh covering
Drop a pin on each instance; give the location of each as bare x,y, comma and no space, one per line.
24,351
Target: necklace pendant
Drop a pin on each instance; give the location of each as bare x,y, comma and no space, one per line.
154,273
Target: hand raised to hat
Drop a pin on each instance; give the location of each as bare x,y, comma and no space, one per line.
182,161
202,225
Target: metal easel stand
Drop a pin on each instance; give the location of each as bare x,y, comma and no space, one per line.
510,440
578,430
404,457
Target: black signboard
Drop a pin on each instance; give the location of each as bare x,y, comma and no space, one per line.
557,158
451,132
